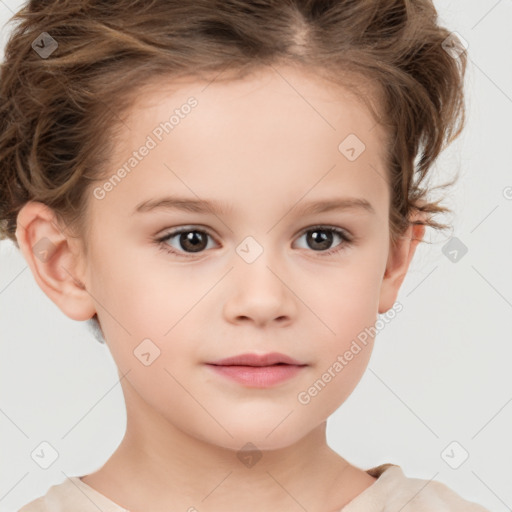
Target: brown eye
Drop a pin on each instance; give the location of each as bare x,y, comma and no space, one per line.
321,238
193,241
187,241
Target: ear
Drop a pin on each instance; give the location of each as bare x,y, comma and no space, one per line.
398,263
55,260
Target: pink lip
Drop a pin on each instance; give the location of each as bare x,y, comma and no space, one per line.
257,360
258,371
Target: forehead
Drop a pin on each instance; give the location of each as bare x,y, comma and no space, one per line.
276,91
278,129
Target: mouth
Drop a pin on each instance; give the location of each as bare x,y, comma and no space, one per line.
270,359
257,371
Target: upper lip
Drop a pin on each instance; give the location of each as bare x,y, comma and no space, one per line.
257,360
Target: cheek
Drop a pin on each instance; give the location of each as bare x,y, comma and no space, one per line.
343,350
347,300
349,307
151,315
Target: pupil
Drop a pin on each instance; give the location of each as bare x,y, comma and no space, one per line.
325,238
192,240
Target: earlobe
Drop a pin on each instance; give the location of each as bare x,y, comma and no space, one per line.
398,263
54,259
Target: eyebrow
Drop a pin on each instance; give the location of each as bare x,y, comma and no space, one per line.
209,206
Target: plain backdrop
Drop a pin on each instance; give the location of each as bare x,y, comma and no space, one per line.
438,387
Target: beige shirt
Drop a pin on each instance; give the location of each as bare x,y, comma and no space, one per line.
391,491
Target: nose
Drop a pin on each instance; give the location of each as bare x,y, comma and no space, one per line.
261,293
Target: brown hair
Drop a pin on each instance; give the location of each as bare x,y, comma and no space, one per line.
56,110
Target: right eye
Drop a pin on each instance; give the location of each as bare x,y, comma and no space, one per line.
192,241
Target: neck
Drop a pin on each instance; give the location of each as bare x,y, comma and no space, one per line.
157,464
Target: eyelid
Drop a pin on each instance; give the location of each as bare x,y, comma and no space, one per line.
347,239
326,227
186,228
161,240
199,227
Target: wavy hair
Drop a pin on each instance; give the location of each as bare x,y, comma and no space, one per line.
59,113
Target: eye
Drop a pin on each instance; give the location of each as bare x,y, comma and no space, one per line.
193,241
321,238
190,239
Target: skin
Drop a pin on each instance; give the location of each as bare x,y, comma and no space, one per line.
263,149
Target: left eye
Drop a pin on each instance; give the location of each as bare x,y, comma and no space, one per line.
323,236
195,240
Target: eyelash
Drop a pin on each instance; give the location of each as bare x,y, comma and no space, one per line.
346,240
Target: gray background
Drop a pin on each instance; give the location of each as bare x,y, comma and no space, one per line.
440,371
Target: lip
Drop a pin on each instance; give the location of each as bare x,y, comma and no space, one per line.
257,371
257,360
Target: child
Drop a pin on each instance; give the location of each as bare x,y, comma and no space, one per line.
262,128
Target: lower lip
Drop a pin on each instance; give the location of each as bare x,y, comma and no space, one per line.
258,376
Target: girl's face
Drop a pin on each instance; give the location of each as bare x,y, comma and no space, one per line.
250,274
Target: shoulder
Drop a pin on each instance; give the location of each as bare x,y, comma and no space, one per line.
71,494
399,492
35,506
57,499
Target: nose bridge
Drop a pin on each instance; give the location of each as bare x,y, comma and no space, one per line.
259,291
258,262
